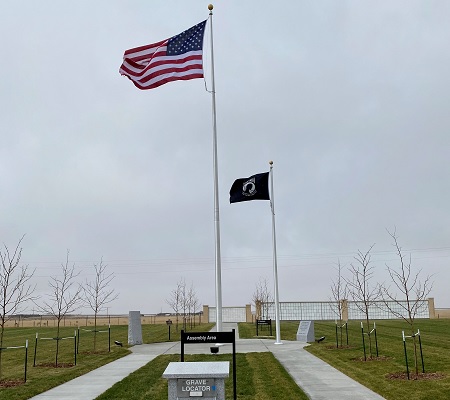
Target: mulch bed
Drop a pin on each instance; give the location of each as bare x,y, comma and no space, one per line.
88,353
380,358
11,383
52,365
427,376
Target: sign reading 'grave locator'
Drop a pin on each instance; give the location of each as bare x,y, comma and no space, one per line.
196,387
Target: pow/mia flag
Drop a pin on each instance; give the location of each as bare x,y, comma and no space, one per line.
255,187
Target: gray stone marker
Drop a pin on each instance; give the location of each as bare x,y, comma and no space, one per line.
134,328
197,379
305,332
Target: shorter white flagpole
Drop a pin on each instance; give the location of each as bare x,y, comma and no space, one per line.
275,272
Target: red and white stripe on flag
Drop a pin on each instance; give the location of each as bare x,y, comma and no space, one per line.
176,58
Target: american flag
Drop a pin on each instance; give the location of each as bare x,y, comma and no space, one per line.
176,58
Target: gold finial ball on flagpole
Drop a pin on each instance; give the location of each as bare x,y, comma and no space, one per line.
210,7
271,162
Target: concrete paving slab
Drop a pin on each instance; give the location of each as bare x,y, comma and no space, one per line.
318,380
94,383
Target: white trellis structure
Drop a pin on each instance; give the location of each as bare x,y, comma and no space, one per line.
328,310
229,314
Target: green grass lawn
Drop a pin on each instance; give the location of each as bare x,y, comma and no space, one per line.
45,376
435,335
258,375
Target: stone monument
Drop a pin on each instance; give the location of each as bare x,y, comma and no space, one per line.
197,379
305,332
134,328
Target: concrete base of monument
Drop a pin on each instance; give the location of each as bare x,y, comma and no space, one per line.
197,379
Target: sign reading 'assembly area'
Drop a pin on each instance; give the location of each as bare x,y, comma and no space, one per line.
196,387
209,337
206,337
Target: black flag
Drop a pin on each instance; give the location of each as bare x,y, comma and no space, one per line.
254,188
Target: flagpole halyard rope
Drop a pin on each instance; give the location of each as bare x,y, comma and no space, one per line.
204,57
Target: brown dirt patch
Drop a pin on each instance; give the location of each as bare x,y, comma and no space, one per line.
88,353
379,358
344,347
427,376
11,383
52,365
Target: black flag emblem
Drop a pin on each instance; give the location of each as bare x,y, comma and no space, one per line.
256,187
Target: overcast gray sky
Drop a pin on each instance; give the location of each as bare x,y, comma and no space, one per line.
350,100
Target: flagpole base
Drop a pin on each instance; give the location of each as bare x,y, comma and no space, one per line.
278,342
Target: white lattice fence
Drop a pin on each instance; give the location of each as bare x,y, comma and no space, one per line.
379,310
229,314
296,311
328,310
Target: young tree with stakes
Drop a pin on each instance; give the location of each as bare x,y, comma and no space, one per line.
360,289
193,302
176,300
339,291
184,303
64,299
414,290
262,298
15,287
98,293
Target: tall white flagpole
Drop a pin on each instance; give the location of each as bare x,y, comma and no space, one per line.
216,191
275,271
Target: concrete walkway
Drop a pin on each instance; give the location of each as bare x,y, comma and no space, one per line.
317,379
94,383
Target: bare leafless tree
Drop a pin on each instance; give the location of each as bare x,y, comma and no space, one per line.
184,302
262,299
64,299
98,293
195,306
15,287
414,291
176,299
360,287
339,292
192,302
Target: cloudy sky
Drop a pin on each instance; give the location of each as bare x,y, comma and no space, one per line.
350,100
